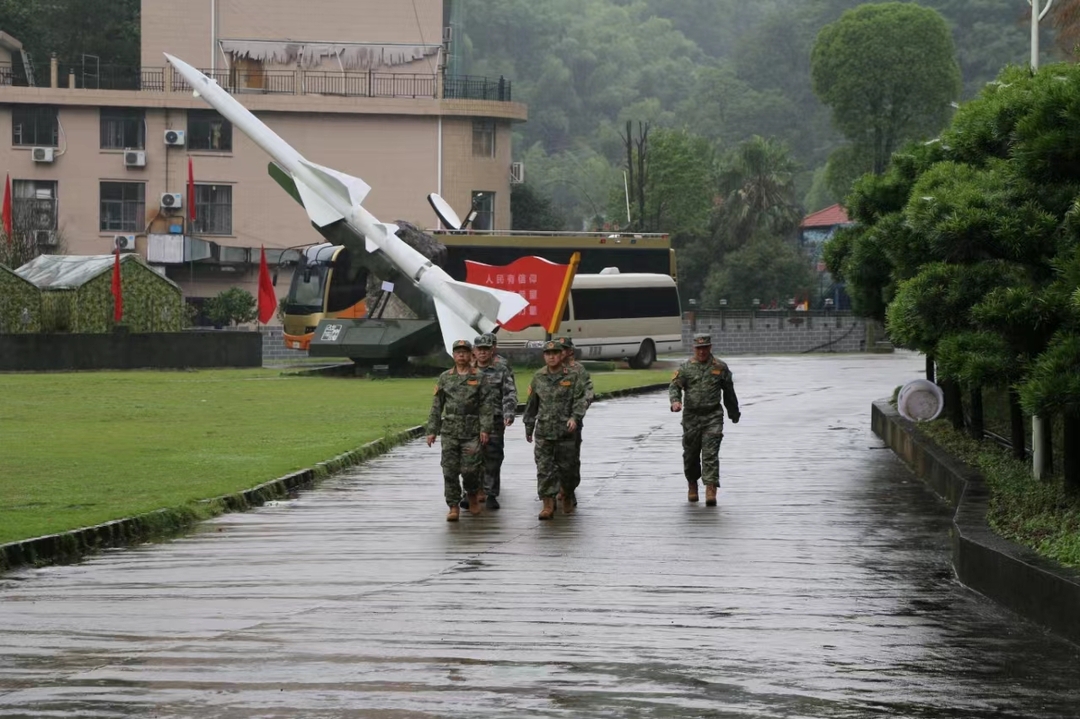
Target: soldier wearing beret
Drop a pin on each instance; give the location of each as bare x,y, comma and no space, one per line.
555,408
701,388
469,406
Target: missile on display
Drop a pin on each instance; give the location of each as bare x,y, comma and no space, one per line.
329,196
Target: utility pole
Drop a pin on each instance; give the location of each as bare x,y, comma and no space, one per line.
1041,446
1037,14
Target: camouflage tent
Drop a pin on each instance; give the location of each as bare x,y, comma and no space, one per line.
20,304
77,294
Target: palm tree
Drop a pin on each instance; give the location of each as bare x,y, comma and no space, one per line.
757,190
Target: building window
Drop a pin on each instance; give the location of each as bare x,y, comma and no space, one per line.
123,206
207,130
213,209
483,138
484,205
34,125
123,129
33,205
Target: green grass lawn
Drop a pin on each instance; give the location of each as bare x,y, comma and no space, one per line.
83,448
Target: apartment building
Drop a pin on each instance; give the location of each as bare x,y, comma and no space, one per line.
101,154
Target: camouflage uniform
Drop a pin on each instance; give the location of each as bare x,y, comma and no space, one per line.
469,405
590,395
704,388
554,398
501,378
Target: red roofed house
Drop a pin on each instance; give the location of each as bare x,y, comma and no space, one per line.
814,230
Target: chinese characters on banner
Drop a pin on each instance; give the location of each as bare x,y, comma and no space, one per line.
543,283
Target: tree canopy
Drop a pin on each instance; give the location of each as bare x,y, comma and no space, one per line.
889,73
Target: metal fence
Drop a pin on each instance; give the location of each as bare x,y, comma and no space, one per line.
469,87
284,82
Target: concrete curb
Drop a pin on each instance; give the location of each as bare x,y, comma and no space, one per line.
67,547
1016,577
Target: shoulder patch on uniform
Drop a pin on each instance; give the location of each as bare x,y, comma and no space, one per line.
715,371
436,389
675,374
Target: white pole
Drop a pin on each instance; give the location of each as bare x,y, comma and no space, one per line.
1034,34
1037,14
626,193
1040,428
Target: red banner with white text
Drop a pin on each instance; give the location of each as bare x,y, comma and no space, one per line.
545,284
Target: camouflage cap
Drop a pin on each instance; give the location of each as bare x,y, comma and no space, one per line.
462,345
552,346
567,343
702,340
483,341
490,338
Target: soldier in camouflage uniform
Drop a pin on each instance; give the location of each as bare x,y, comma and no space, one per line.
498,374
590,395
698,389
469,404
555,408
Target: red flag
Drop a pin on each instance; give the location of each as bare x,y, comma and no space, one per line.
7,209
545,284
190,190
267,297
117,290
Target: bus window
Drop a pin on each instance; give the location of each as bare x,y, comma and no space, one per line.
348,283
625,303
306,290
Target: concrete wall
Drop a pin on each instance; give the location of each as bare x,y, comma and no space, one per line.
740,332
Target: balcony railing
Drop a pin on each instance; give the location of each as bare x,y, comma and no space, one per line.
271,82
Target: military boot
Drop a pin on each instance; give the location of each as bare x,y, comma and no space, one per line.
474,503
691,493
452,515
569,503
549,508
710,495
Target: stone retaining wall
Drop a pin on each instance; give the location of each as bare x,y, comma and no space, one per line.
273,346
738,332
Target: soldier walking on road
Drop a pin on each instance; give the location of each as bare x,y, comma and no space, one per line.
575,366
555,408
469,405
501,378
701,388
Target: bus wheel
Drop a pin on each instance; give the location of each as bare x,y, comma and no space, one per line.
645,356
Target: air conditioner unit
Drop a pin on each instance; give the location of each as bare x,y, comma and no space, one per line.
517,173
124,243
46,238
172,201
134,158
44,154
175,138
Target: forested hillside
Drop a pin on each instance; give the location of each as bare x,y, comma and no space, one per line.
725,70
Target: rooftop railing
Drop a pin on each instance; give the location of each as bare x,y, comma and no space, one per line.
271,82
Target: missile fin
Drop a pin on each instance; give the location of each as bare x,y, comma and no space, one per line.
350,188
452,326
496,305
320,212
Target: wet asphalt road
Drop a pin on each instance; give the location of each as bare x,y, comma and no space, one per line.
819,588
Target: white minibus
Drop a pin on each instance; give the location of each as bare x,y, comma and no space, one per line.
614,316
